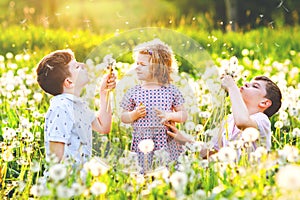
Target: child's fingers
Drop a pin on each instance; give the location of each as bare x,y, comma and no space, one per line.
171,134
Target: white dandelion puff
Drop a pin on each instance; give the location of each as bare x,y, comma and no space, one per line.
58,172
98,188
227,154
179,180
146,146
287,177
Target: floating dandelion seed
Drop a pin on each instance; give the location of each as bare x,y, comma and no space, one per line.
281,5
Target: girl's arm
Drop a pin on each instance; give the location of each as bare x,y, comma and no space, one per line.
179,115
131,116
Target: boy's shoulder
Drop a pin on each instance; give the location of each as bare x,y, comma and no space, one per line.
63,101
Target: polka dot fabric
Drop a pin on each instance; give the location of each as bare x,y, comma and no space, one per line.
164,98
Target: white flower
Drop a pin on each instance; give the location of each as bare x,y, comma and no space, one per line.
7,155
250,134
245,52
296,132
195,146
227,154
37,190
287,177
278,124
8,133
98,188
289,153
190,126
64,192
199,127
96,166
178,180
283,115
2,58
146,146
35,166
9,55
38,96
260,151
58,172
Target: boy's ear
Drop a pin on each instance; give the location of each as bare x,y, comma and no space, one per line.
68,83
266,103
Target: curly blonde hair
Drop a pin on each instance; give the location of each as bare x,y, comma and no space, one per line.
161,59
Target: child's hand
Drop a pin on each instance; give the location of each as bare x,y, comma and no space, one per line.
227,82
140,111
164,116
177,135
108,82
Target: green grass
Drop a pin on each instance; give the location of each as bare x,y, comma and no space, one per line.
22,116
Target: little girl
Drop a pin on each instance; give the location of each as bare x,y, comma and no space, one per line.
153,102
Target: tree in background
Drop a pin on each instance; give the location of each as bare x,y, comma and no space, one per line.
114,14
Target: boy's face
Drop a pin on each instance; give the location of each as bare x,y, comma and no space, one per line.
143,67
254,92
79,74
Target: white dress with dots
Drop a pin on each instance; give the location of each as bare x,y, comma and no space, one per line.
164,98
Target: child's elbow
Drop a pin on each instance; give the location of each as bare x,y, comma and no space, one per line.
106,130
243,124
184,116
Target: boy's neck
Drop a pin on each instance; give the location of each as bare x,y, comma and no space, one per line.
73,91
253,110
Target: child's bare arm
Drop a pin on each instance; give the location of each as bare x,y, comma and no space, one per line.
239,109
102,123
57,148
180,115
131,116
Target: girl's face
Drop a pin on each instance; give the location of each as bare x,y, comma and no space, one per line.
143,68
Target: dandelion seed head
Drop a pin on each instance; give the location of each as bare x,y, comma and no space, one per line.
178,180
227,154
286,177
278,124
250,134
146,146
98,188
57,172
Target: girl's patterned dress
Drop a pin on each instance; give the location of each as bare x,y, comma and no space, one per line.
164,98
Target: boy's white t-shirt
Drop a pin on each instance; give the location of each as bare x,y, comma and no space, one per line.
69,120
264,128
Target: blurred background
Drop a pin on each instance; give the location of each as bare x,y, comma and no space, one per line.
104,16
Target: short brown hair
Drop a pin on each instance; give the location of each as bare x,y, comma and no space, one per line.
161,59
52,71
273,94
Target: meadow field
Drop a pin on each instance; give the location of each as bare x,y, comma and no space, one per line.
256,175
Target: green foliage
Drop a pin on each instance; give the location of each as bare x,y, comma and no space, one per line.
22,115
